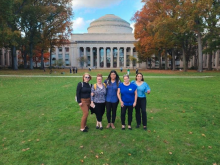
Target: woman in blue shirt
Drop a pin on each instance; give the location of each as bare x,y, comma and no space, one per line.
128,99
142,88
112,83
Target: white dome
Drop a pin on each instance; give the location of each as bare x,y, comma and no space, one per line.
109,24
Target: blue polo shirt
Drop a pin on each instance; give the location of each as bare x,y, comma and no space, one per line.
111,94
142,89
127,93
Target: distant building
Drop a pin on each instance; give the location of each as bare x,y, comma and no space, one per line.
109,43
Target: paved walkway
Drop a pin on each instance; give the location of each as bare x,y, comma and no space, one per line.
51,76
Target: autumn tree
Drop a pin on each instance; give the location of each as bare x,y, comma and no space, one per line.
45,22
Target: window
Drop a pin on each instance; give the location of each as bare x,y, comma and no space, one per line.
60,56
60,49
67,49
67,62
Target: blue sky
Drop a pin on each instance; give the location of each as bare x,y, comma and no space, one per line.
86,11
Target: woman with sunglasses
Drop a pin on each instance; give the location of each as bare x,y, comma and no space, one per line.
128,99
112,83
140,108
83,94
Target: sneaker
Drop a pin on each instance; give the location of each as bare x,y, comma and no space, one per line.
145,128
97,127
84,130
101,128
138,126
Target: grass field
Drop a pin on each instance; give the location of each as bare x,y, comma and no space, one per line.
40,122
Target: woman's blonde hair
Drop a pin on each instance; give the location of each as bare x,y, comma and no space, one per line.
90,77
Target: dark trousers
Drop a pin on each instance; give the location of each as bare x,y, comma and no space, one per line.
141,111
99,111
123,114
111,109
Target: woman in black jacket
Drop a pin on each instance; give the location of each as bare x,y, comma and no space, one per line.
83,94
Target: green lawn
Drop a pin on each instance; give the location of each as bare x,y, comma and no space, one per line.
40,122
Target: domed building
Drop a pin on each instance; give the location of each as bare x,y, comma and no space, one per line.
109,43
110,24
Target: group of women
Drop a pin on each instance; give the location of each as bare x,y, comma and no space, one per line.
107,95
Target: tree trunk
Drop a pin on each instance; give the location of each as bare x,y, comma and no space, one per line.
14,58
50,55
31,56
147,63
25,59
184,61
42,59
210,62
166,61
173,59
200,52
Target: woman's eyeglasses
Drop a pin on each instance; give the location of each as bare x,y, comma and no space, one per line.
87,77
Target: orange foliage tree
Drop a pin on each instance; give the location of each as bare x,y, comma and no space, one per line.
38,54
167,24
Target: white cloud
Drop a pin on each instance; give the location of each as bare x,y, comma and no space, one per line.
132,25
80,25
77,4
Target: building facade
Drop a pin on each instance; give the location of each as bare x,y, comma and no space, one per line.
109,43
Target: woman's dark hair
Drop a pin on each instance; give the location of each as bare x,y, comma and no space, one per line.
117,79
141,75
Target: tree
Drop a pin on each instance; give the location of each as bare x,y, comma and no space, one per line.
133,60
49,19
82,60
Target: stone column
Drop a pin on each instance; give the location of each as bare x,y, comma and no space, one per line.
98,58
56,54
63,52
125,57
104,48
118,54
111,57
7,56
131,62
1,56
78,57
217,59
84,54
91,57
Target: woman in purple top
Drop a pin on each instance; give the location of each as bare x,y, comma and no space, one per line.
128,99
112,83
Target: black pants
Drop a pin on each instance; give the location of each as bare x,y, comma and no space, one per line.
123,114
99,111
141,111
111,109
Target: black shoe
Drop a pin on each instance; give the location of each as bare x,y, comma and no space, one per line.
97,127
101,128
86,127
123,128
138,126
130,128
145,128
84,130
